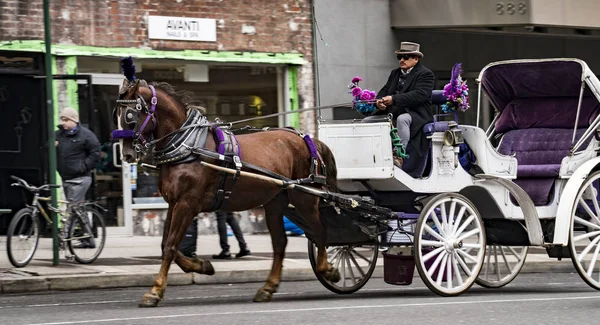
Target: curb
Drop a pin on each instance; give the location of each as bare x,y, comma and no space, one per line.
104,281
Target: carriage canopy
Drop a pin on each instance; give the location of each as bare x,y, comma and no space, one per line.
541,93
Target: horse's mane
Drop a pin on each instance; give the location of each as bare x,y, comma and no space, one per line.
184,97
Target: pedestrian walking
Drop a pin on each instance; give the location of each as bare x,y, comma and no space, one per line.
224,218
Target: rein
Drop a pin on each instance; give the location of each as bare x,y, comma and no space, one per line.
145,145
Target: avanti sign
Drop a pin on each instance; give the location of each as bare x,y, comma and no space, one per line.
182,28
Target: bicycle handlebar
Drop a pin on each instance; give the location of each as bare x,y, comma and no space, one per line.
22,183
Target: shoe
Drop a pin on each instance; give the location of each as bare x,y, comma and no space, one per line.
243,252
84,244
398,162
224,255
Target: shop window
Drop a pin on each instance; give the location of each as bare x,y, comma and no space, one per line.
232,92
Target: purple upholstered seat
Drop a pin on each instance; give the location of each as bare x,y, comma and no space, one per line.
539,143
538,100
538,151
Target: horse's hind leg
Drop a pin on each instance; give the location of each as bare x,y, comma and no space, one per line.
274,217
181,217
307,207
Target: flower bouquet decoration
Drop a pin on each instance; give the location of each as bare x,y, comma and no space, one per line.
364,100
457,92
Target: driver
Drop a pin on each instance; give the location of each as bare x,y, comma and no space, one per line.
407,96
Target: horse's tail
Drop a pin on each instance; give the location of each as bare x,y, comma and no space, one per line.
330,166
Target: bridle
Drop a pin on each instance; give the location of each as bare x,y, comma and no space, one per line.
140,143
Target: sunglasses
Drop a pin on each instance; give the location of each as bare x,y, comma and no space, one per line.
404,57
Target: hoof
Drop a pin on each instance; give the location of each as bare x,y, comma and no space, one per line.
150,300
263,296
206,267
332,275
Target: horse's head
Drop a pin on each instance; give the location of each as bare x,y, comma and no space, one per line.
135,119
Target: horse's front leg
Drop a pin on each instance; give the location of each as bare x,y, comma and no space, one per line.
274,217
181,217
186,264
195,264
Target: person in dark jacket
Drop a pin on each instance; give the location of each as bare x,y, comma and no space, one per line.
77,154
407,96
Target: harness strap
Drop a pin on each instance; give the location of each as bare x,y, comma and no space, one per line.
227,146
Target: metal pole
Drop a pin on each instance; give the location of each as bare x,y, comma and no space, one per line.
51,128
316,58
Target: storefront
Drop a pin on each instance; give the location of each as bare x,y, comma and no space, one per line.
240,86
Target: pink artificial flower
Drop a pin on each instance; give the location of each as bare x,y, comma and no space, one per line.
356,91
356,79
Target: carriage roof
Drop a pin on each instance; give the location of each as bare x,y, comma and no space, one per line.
504,81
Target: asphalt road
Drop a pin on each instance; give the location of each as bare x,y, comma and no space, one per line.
531,299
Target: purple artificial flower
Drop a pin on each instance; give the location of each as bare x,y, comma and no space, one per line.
356,79
356,91
365,95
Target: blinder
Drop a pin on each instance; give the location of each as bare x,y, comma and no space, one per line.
132,118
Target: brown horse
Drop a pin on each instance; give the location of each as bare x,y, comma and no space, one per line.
190,188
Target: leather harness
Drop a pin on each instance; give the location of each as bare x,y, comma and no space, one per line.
187,144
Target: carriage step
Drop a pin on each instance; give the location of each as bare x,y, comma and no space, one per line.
559,252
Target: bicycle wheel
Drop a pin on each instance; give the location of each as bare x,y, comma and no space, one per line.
87,235
22,237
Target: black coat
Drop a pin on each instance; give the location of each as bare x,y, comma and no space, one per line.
414,98
77,153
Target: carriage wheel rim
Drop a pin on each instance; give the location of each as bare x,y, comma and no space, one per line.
584,235
455,245
501,265
350,261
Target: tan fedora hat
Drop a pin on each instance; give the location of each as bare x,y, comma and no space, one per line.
409,48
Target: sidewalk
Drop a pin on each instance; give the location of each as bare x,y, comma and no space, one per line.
135,261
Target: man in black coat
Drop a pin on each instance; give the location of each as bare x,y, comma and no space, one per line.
407,96
77,154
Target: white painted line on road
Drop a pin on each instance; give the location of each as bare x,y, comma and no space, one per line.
247,312
412,288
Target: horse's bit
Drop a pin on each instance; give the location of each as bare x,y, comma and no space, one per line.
140,144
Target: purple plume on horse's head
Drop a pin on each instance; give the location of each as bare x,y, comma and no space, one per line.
356,79
128,68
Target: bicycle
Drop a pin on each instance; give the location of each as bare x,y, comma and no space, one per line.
83,230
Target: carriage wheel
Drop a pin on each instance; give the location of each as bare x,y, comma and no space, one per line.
449,244
502,265
584,237
356,264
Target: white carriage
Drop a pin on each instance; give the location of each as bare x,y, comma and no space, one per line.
532,181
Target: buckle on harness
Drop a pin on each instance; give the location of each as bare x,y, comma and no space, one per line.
237,162
223,195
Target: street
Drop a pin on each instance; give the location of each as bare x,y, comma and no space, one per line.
538,298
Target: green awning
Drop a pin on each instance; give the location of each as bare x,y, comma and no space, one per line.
192,55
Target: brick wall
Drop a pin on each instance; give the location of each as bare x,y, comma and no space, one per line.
280,26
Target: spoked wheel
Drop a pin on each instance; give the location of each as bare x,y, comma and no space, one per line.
502,265
87,235
355,263
22,237
584,237
449,244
